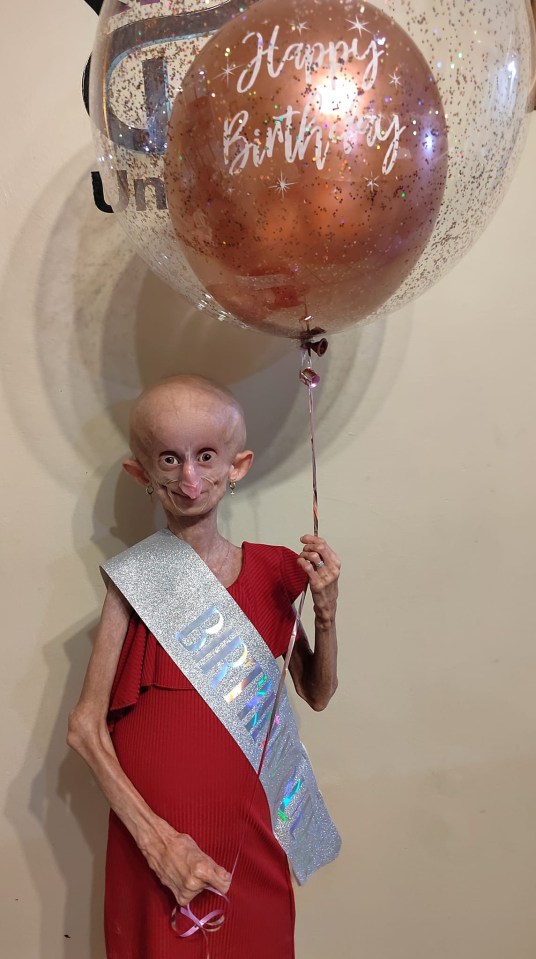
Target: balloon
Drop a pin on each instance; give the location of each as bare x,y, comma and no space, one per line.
481,58
306,162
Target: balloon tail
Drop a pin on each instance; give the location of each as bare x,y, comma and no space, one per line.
311,379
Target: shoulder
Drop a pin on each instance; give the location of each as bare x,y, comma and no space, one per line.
273,556
277,564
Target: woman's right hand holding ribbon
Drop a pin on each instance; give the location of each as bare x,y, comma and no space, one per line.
182,866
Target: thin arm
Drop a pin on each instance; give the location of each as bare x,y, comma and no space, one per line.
314,671
176,859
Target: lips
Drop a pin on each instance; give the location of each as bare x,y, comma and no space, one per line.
187,491
192,492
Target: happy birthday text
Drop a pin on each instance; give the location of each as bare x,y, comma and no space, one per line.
305,132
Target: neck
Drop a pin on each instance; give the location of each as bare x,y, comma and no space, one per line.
203,535
200,532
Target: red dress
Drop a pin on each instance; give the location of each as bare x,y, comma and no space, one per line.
192,773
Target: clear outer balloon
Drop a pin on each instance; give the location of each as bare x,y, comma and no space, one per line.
306,163
481,56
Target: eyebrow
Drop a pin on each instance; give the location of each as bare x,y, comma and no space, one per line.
201,449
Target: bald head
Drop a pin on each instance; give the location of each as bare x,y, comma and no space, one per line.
174,401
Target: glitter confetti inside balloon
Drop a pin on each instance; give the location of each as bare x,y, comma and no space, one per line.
481,59
306,162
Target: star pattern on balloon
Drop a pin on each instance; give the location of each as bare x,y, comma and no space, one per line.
300,26
227,72
282,185
372,183
395,79
358,24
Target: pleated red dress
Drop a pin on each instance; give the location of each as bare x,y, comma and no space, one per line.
191,772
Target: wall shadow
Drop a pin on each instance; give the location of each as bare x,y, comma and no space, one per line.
65,802
105,327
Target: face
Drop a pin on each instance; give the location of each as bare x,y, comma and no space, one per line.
189,450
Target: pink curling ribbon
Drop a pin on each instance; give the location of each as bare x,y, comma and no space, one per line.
214,920
209,923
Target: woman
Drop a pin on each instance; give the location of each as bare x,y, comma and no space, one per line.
182,793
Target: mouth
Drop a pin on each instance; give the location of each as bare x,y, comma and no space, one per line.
184,497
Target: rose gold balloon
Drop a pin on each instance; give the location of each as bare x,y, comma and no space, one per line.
306,162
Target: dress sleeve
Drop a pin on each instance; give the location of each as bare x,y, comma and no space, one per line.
294,578
127,682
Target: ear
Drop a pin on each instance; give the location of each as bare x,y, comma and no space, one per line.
136,470
241,465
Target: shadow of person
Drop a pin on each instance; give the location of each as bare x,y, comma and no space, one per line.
262,371
42,798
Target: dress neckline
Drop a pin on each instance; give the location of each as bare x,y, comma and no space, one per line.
241,570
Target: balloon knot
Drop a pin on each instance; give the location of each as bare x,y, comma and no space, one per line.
319,346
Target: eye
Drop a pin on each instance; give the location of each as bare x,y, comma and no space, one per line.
205,456
169,459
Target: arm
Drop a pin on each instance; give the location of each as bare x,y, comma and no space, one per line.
175,858
314,672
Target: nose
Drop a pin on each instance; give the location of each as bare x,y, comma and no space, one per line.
190,483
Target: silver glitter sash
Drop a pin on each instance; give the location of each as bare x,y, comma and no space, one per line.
212,641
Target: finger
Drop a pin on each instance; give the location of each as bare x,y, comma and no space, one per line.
221,880
313,572
319,558
328,558
315,559
320,546
193,885
217,876
315,541
187,891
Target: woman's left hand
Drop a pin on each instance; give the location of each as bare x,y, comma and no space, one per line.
323,567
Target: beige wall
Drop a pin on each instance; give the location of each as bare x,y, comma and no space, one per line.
427,462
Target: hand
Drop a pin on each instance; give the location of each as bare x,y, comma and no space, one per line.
322,566
181,865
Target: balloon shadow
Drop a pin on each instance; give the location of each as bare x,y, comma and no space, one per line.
105,328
